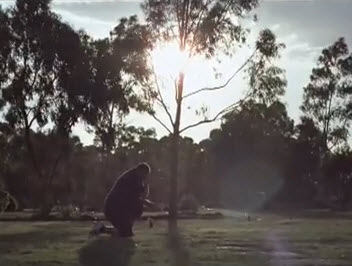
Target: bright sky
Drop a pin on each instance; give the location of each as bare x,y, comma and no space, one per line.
305,26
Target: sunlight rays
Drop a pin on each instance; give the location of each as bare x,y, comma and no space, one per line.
168,61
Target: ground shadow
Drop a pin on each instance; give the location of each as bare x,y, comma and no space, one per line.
107,251
179,254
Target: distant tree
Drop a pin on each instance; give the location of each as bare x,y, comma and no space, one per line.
338,171
54,167
4,48
327,101
127,139
206,28
3,150
117,67
21,180
82,186
266,80
302,163
251,151
156,152
14,170
40,56
3,166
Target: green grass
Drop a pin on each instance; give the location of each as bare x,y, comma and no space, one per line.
274,240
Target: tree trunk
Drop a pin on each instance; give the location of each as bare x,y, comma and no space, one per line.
32,153
173,177
45,204
174,160
322,193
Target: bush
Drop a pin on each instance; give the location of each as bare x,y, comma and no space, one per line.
7,202
188,202
68,211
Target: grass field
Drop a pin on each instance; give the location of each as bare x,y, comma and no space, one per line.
271,240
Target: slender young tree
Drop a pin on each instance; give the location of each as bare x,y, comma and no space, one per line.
204,28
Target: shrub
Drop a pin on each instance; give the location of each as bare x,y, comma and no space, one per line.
68,211
188,202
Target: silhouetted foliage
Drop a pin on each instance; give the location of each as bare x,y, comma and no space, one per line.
338,171
328,96
250,152
40,56
52,76
327,102
118,67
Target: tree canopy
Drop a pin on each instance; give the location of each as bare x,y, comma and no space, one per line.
328,96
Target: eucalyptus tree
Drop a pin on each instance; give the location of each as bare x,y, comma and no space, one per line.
207,28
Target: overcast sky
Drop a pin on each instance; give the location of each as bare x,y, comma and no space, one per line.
305,26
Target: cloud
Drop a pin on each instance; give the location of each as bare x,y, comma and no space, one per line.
87,20
317,22
298,49
93,26
302,51
97,17
107,11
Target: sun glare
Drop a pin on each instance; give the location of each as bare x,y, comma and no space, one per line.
169,61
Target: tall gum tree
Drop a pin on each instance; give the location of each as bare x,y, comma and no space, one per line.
117,67
327,102
39,58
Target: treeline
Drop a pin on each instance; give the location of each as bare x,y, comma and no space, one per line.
257,159
52,77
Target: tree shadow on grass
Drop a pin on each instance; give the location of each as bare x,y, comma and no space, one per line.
107,251
179,254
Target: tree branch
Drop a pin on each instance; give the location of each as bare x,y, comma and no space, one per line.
178,18
52,172
223,111
161,99
40,104
186,23
200,20
226,83
160,122
196,29
337,140
35,77
33,118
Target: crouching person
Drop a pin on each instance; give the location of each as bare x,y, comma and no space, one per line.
125,201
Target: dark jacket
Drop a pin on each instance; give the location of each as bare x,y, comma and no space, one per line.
125,195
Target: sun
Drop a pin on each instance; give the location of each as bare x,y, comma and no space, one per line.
168,61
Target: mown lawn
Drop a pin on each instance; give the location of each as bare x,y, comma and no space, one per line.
271,240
